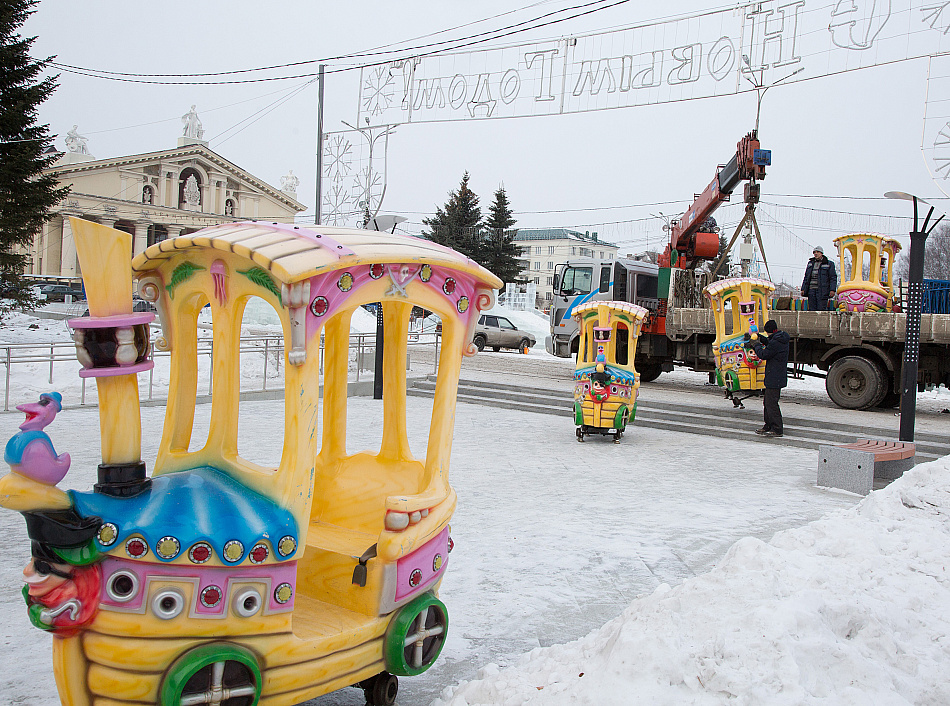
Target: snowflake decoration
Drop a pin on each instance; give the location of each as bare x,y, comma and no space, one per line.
378,90
337,157
369,187
941,156
335,204
935,14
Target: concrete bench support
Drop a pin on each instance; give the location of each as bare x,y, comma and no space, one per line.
853,467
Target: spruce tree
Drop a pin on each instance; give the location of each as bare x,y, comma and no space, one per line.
457,225
499,253
26,194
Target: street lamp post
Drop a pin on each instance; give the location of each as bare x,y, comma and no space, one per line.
381,223
918,240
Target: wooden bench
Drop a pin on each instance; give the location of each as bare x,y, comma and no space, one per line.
853,467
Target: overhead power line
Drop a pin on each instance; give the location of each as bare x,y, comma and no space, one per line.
375,51
408,53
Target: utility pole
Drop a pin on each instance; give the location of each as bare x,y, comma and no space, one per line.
320,82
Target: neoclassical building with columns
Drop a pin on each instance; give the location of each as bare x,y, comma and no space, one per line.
153,196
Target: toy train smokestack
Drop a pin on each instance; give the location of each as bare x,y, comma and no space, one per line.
112,345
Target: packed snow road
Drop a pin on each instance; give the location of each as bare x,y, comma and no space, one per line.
553,538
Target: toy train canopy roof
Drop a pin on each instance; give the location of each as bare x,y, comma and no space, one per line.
635,312
294,253
888,244
727,286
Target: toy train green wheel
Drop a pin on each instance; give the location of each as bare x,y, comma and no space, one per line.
416,636
219,673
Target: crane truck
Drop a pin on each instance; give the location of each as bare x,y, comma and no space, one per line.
859,353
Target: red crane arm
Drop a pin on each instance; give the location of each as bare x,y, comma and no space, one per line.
692,245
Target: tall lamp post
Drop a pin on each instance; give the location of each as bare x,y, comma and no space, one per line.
381,223
918,240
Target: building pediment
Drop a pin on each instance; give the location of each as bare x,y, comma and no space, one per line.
171,164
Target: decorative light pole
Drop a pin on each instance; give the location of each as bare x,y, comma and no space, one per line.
918,240
381,223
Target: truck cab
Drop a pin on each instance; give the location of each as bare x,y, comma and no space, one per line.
583,280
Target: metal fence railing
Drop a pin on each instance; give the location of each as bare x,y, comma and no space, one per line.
270,348
936,296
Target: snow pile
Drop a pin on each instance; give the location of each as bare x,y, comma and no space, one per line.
531,320
853,608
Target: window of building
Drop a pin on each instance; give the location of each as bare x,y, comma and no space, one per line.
550,281
537,280
573,251
537,249
550,249
537,265
550,265
156,234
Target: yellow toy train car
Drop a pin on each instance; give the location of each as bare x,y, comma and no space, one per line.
215,580
606,382
870,284
740,307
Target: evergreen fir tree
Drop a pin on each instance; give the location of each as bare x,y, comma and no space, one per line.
457,225
499,253
26,194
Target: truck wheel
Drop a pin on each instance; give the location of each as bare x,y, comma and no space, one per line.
892,398
479,343
649,372
854,382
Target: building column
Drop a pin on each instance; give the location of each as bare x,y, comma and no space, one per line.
39,247
140,239
173,231
68,260
108,221
166,182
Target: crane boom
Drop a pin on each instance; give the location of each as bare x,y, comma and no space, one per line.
687,240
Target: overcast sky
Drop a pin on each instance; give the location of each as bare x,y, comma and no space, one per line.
855,135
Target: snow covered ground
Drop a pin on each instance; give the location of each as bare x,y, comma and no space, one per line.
669,569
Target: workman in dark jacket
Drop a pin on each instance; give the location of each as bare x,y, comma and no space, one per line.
821,281
775,354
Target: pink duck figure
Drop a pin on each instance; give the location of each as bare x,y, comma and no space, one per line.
30,452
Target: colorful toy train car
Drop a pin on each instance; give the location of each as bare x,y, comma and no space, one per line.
605,379
870,260
740,307
216,580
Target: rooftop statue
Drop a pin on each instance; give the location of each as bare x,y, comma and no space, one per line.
76,142
192,124
289,184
